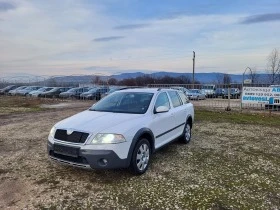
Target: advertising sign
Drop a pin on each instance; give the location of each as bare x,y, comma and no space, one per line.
261,95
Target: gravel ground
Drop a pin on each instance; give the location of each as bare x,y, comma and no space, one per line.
226,166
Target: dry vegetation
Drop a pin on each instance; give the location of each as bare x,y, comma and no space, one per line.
233,162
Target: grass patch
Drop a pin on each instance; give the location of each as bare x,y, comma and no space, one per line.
237,117
12,104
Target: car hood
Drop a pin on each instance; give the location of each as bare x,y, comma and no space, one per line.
95,122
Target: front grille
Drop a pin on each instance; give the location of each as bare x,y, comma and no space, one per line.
75,137
79,159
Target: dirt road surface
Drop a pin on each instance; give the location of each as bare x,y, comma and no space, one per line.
226,166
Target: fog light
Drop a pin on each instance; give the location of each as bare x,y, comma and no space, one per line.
103,162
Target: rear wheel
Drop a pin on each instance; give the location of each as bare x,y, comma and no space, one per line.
141,157
187,133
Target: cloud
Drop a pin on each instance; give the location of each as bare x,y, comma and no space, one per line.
5,6
108,38
261,18
131,26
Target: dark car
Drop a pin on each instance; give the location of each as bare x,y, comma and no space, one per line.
7,89
73,92
219,92
234,93
94,93
54,93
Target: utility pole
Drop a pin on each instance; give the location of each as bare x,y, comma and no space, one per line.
193,69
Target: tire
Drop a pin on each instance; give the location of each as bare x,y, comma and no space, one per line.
140,159
187,133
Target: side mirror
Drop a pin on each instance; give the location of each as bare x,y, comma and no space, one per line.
162,109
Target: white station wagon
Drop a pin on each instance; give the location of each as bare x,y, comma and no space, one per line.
122,130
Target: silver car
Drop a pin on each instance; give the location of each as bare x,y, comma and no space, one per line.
196,94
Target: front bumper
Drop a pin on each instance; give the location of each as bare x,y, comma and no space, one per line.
90,159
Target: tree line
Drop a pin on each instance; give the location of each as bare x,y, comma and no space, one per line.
144,80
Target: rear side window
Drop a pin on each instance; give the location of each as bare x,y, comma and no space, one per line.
176,101
162,100
184,97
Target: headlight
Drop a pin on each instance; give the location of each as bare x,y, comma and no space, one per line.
52,132
107,138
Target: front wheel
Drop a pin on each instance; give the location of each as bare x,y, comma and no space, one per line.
141,157
187,133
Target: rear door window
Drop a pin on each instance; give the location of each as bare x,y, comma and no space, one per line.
184,97
175,99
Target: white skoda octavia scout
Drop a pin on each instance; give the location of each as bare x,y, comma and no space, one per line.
122,130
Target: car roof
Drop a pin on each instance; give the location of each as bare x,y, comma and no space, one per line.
147,90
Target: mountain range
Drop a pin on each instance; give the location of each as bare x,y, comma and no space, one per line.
201,77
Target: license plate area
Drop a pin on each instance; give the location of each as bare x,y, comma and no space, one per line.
66,150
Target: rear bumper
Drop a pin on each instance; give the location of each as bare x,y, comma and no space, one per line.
90,159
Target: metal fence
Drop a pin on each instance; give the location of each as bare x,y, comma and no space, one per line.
220,96
208,96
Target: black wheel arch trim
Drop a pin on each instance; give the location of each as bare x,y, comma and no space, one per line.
136,137
190,117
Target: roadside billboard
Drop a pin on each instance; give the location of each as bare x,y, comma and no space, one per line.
261,95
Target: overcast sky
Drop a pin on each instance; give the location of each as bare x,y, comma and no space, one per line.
64,37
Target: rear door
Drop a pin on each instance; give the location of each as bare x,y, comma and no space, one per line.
179,112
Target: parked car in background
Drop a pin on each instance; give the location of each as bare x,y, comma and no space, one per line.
209,90
27,90
14,91
122,130
73,92
5,90
219,92
196,94
112,90
185,90
94,93
234,93
36,93
54,93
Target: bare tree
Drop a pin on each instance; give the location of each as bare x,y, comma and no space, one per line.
96,80
273,66
112,81
52,82
226,79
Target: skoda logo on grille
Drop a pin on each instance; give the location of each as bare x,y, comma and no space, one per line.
69,132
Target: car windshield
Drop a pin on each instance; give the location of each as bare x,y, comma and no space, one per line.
92,90
194,91
124,102
48,89
8,87
20,88
42,89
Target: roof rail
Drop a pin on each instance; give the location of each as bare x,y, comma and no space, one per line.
158,89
